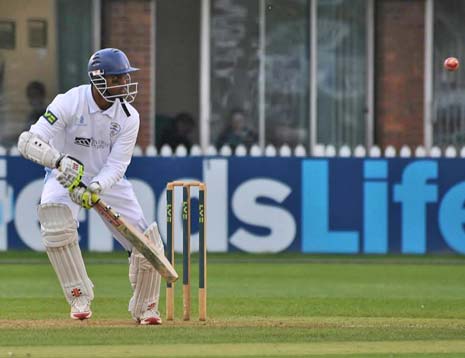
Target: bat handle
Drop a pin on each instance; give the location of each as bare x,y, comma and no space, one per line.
95,196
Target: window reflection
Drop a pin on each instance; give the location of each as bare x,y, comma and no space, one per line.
287,72
342,72
448,113
234,63
241,28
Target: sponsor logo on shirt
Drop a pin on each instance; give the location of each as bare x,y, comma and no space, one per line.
115,128
91,142
82,141
50,117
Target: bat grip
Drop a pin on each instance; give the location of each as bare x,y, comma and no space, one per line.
95,196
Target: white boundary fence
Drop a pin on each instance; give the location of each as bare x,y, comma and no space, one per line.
287,151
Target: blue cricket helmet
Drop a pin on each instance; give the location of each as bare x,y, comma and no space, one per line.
111,61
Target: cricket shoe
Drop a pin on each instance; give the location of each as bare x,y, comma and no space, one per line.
80,308
150,317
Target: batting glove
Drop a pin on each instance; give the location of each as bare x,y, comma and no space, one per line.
86,197
70,173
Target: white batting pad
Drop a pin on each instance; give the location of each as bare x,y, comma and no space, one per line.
32,147
154,235
145,280
59,235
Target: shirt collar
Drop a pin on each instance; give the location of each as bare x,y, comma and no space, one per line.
94,108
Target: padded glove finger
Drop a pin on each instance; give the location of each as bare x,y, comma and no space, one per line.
71,172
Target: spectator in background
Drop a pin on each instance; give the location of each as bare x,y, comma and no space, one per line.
35,92
181,131
237,131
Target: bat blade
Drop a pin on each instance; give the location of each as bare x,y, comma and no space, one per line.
141,242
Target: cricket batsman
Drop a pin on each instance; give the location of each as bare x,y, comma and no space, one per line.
88,135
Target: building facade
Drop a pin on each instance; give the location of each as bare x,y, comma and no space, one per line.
214,72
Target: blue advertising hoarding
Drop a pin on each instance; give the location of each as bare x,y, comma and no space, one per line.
260,204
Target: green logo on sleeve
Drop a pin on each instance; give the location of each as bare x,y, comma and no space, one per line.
50,117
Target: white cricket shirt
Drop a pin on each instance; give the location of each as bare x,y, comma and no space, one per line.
103,140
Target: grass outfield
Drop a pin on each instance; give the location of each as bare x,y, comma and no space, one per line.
262,306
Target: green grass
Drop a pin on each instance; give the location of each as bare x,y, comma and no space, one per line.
258,305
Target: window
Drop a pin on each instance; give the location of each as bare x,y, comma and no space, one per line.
177,73
235,41
75,42
341,72
448,104
7,35
260,72
37,33
287,72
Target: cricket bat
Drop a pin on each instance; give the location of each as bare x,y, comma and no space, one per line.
141,242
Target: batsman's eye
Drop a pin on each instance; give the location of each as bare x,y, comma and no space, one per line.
117,80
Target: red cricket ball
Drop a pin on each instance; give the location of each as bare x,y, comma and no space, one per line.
451,64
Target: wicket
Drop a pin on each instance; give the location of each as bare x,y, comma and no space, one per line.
186,255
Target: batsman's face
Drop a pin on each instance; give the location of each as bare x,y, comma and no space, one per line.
117,85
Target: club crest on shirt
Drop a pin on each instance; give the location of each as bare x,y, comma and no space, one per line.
50,117
115,128
80,121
